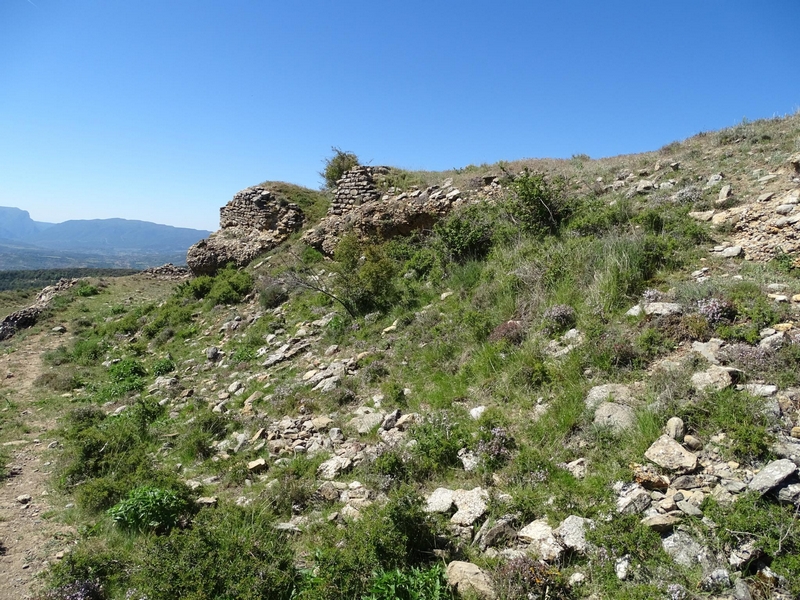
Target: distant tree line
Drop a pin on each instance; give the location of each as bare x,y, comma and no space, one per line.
39,278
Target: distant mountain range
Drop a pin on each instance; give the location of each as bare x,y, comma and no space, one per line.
120,243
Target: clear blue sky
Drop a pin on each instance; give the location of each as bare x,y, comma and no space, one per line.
162,110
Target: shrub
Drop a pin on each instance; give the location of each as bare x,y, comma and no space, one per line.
466,234
742,418
228,553
149,508
77,590
86,289
559,318
540,205
397,535
716,310
90,571
524,577
163,366
59,381
364,276
198,288
439,438
511,331
337,165
495,446
272,294
412,584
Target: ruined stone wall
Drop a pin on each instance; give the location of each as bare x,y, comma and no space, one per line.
356,187
257,208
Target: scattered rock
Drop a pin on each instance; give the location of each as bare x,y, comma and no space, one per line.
716,581
670,455
468,578
332,467
614,416
731,252
543,543
572,533
471,505
661,523
440,501
713,378
610,392
772,475
684,549
675,428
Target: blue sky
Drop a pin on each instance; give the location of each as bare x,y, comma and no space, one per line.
161,111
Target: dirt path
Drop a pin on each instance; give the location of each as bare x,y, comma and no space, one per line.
28,541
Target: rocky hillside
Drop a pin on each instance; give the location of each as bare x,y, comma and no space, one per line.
540,379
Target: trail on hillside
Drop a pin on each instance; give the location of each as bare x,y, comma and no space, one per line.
28,540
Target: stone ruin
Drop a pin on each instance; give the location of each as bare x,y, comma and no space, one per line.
253,222
360,206
356,187
256,220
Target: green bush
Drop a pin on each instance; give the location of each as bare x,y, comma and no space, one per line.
228,553
466,234
439,438
163,366
86,289
364,284
396,536
770,526
741,417
149,508
540,205
337,165
411,584
198,288
228,286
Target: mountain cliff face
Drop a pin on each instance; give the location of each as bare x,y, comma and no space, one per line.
16,224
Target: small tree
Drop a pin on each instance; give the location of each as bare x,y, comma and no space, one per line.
337,165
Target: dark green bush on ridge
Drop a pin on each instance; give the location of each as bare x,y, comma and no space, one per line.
337,165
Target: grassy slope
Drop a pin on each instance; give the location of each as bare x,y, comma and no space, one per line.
608,252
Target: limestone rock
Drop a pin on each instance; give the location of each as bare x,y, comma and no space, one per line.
616,417
662,308
709,349
364,424
772,475
440,501
661,523
610,392
684,549
633,499
670,455
731,252
713,378
332,467
467,578
543,543
471,505
675,428
790,494
572,533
